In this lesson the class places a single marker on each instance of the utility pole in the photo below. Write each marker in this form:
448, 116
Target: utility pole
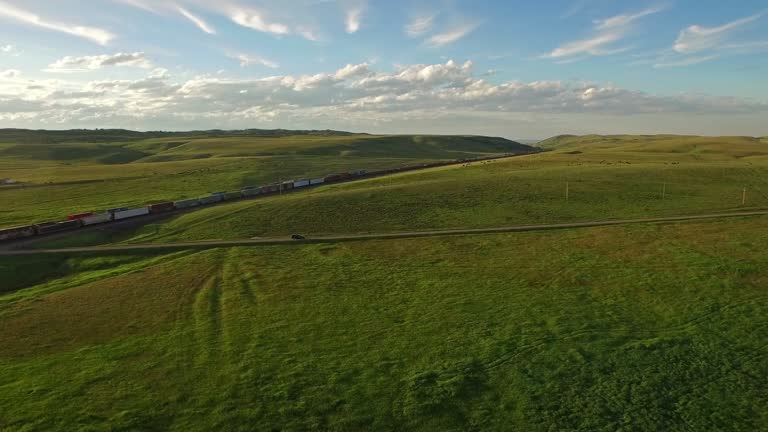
280, 186
567, 191
663, 191
744, 196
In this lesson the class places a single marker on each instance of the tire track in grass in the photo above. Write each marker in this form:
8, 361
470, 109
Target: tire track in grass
207, 319
237, 299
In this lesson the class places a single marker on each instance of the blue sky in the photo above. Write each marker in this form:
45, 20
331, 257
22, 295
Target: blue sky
519, 69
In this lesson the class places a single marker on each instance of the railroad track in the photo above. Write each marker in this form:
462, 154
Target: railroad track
375, 236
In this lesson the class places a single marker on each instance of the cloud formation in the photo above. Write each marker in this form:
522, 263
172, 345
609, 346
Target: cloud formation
98, 35
199, 22
419, 25
698, 44
353, 17
85, 63
10, 73
452, 35
250, 59
354, 92
606, 32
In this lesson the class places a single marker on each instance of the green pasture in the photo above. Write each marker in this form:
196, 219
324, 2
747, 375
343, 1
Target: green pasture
60, 178
597, 182
641, 328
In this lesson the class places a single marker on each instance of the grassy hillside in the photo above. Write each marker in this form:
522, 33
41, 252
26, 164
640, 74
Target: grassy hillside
702, 148
605, 181
61, 176
640, 328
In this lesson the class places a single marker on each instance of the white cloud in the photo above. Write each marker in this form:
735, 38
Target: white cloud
621, 21
10, 73
85, 63
696, 38
419, 25
100, 36
283, 18
6, 48
687, 61
452, 35
697, 44
354, 15
199, 22
606, 33
255, 20
354, 93
250, 59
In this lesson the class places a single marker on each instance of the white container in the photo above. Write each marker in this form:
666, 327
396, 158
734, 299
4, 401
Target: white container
301, 183
187, 203
96, 219
125, 214
317, 181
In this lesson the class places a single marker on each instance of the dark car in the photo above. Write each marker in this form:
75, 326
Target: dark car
298, 237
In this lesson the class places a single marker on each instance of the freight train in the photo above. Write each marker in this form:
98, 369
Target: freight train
84, 219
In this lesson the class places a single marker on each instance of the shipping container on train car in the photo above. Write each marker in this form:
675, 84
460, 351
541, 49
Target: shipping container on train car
301, 183
77, 216
317, 181
117, 209
96, 219
268, 189
17, 232
130, 213
251, 191
161, 207
229, 196
54, 227
210, 199
337, 177
187, 203
287, 185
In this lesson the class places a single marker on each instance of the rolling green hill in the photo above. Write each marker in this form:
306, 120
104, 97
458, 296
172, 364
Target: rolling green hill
605, 181
645, 328
63, 175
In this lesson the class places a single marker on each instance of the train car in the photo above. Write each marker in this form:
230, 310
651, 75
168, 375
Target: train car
131, 213
301, 183
187, 203
17, 232
317, 181
54, 227
229, 196
251, 191
210, 199
161, 207
287, 185
359, 173
268, 189
112, 211
337, 177
78, 216
96, 219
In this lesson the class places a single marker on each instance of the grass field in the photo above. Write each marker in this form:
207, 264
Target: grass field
657, 327
68, 177
606, 180
634, 328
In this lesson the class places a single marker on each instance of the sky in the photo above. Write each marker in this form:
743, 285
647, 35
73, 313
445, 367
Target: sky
512, 68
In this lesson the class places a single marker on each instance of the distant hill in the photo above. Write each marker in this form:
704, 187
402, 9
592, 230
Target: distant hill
112, 135
725, 146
